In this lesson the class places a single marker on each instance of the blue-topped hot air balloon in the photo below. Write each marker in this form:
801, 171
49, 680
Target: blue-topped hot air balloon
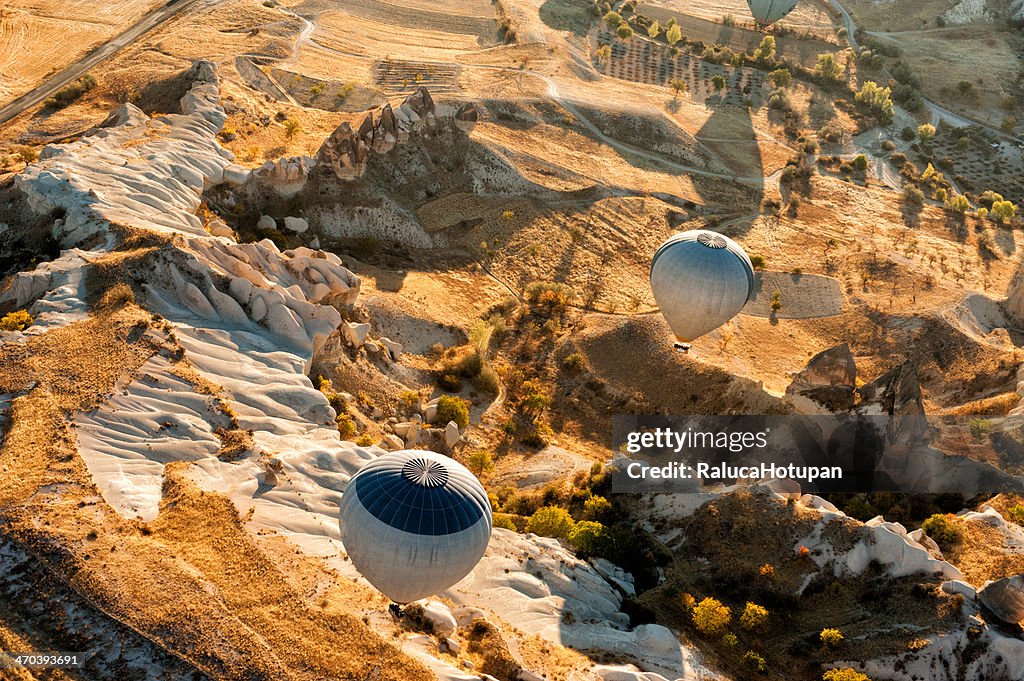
767, 12
700, 280
414, 523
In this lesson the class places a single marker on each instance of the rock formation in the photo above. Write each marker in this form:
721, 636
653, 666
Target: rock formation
829, 379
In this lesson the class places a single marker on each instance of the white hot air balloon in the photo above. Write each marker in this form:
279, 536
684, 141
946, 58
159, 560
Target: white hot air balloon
767, 12
700, 280
414, 523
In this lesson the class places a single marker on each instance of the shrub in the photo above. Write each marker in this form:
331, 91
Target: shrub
730, 640
613, 18
755, 661
503, 521
754, 616
624, 32
487, 380
551, 521
364, 440
346, 426
912, 195
450, 383
827, 68
589, 538
596, 507
452, 408
291, 128
925, 132
16, 321
831, 638
71, 92
1016, 514
480, 462
508, 215
860, 163
549, 297
979, 428
574, 361
888, 145
780, 78
758, 261
845, 674
941, 528
877, 100
711, 617
1003, 211
674, 34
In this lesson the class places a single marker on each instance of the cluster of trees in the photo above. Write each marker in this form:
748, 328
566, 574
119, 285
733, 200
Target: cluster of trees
71, 93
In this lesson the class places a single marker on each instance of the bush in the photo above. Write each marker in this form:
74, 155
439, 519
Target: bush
860, 163
1016, 514
912, 195
754, 616
16, 321
365, 440
711, 617
574, 361
755, 661
346, 426
487, 380
845, 674
758, 262
450, 383
503, 521
781, 78
551, 521
589, 538
831, 638
71, 93
925, 132
596, 507
908, 133
549, 297
888, 145
624, 32
876, 100
452, 408
827, 68
941, 528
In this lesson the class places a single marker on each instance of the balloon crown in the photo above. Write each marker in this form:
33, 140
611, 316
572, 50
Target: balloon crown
711, 240
425, 473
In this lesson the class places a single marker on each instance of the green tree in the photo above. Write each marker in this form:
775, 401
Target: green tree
1003, 211
624, 31
551, 521
827, 68
654, 29
766, 50
674, 34
613, 18
679, 87
781, 78
718, 82
877, 100
925, 132
291, 128
957, 203
480, 462
711, 617
860, 163
603, 53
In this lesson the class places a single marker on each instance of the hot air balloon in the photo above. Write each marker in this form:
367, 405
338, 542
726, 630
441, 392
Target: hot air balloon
767, 12
414, 523
700, 280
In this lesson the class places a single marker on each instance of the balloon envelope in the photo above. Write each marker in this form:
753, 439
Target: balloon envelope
700, 280
414, 523
767, 12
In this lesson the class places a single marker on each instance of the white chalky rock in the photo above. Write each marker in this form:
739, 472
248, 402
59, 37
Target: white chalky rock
394, 348
266, 222
440, 617
297, 225
356, 333
452, 436
235, 175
